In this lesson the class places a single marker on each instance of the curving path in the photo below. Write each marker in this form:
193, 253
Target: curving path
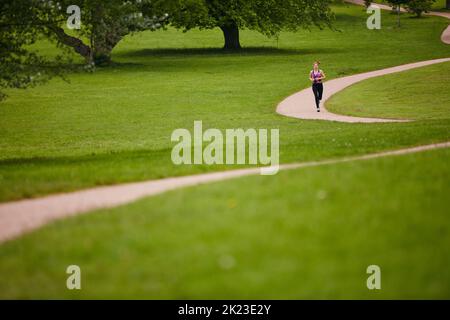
445, 37
301, 105
19, 217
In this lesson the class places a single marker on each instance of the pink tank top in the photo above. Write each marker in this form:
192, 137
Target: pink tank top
316, 75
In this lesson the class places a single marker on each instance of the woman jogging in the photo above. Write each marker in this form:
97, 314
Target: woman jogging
316, 76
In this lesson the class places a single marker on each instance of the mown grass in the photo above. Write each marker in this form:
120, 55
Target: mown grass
419, 94
114, 125
307, 233
438, 5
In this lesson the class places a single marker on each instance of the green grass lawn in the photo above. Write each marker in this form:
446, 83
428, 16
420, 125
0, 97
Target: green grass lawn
308, 233
421, 94
438, 5
117, 122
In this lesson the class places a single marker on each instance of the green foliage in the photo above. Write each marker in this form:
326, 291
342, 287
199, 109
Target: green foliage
19, 66
398, 2
103, 25
419, 6
117, 122
266, 16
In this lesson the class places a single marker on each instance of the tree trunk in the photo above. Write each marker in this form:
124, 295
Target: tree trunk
99, 51
448, 4
103, 47
101, 43
104, 37
78, 45
231, 36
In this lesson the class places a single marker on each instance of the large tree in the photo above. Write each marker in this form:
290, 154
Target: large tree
20, 66
103, 23
266, 16
419, 6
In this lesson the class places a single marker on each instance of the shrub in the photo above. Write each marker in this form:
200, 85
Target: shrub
419, 6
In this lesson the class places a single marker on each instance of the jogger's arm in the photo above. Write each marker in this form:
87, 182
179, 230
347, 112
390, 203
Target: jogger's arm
322, 75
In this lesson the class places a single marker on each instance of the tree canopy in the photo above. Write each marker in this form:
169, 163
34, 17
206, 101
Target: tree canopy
266, 16
21, 67
103, 25
419, 6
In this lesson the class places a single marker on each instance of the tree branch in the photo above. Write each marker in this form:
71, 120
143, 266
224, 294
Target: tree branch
78, 45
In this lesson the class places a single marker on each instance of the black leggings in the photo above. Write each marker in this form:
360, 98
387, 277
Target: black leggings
318, 91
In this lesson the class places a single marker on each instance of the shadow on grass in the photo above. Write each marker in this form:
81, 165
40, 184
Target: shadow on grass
40, 176
93, 157
248, 51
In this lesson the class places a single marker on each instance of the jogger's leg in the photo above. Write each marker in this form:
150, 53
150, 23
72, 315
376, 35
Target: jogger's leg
320, 91
316, 95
